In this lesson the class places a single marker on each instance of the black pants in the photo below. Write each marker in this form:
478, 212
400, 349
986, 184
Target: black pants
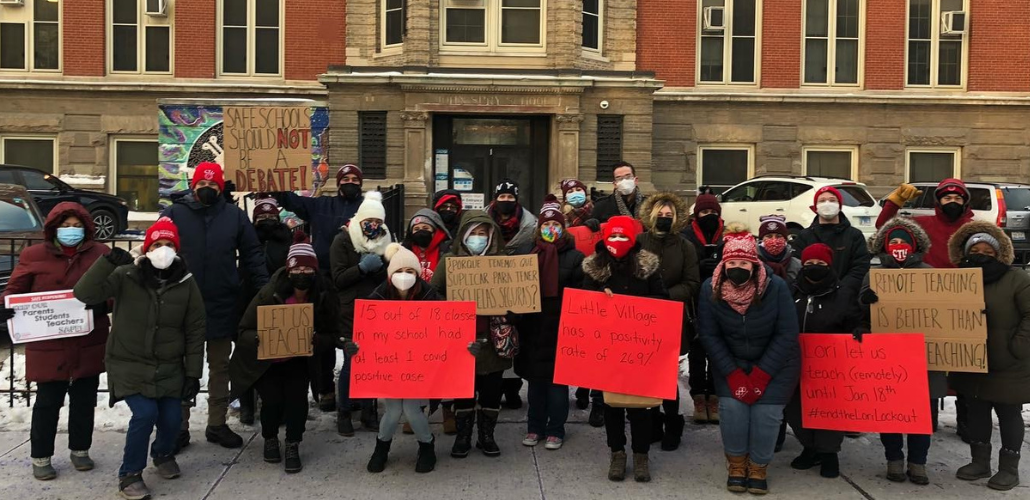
639, 428
1010, 422
284, 397
321, 369
596, 396
47, 411
488, 393
701, 380
818, 440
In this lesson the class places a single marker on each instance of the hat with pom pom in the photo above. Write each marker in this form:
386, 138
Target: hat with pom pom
371, 207
301, 253
739, 244
400, 258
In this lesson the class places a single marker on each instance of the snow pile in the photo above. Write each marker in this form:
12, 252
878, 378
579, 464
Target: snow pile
84, 180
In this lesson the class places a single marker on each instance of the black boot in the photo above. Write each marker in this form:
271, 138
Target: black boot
487, 421
247, 407
807, 459
657, 424
673, 432
596, 415
830, 466
293, 464
224, 436
425, 461
378, 461
344, 426
511, 387
463, 421
272, 453
582, 398
370, 416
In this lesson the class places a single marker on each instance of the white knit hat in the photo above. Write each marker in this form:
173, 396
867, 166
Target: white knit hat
371, 207
399, 258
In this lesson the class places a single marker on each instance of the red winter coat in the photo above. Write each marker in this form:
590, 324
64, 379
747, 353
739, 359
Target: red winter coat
937, 226
44, 267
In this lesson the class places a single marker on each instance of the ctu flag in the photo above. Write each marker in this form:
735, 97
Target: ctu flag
620, 344
413, 349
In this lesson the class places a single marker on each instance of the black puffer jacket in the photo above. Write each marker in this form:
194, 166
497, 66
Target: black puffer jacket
709, 254
825, 308
850, 256
351, 283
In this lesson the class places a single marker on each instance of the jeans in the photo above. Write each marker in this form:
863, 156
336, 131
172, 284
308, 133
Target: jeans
218, 352
701, 380
412, 410
47, 411
639, 428
918, 446
284, 398
548, 408
165, 413
817, 440
343, 388
488, 393
749, 429
1010, 422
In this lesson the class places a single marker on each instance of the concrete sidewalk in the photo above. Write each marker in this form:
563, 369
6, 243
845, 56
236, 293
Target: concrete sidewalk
334, 467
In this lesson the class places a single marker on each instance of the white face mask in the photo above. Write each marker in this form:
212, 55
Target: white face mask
626, 186
162, 257
828, 209
403, 281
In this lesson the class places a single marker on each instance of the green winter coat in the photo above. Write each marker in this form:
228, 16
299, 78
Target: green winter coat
157, 333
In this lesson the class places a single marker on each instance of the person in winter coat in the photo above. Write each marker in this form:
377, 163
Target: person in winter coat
429, 239
577, 206
774, 250
705, 233
1003, 388
625, 200
155, 352
664, 215
358, 268
69, 366
213, 232
621, 266
561, 266
447, 203
951, 211
832, 228
823, 306
478, 235
750, 330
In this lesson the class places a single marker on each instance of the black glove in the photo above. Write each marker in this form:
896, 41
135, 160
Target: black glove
6, 313
707, 266
475, 348
857, 333
348, 347
868, 297
190, 388
99, 309
230, 187
119, 257
593, 224
511, 317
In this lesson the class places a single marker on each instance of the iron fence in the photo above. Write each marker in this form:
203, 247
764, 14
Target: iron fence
393, 202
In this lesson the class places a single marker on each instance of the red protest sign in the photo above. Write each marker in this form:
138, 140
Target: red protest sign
413, 349
877, 385
620, 344
586, 240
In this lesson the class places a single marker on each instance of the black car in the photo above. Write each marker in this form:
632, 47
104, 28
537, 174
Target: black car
110, 213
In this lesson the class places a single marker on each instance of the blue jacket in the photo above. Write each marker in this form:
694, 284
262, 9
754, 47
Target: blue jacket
210, 239
766, 336
325, 215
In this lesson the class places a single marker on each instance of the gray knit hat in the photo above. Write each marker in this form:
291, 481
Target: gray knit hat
982, 238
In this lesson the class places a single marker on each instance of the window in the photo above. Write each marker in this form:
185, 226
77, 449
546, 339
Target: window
136, 173
30, 36
593, 26
394, 22
832, 30
493, 25
723, 167
932, 165
139, 43
937, 50
372, 143
609, 145
37, 181
251, 37
831, 162
729, 39
35, 152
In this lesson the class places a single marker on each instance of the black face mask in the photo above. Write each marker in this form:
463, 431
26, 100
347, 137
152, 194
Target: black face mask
663, 224
953, 210
709, 223
738, 275
350, 191
422, 238
448, 216
505, 207
207, 195
302, 281
816, 273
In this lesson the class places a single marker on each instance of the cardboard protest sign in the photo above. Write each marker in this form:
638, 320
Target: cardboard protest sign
623, 344
586, 240
877, 385
496, 284
413, 349
945, 305
285, 331
47, 316
268, 148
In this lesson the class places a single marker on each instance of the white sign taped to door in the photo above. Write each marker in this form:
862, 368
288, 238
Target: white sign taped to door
473, 201
440, 173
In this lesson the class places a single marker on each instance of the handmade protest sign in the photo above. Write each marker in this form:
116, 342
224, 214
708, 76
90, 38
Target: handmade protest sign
945, 305
47, 316
877, 385
413, 349
285, 331
496, 284
623, 344
268, 148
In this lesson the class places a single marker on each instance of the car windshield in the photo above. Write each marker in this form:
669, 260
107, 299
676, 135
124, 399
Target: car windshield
855, 196
1017, 198
16, 215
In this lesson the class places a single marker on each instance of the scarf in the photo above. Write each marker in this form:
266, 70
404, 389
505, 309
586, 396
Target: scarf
548, 253
701, 234
777, 263
739, 298
994, 271
621, 203
429, 257
510, 227
577, 216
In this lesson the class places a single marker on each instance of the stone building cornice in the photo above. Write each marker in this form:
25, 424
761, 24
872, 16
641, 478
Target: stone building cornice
803, 96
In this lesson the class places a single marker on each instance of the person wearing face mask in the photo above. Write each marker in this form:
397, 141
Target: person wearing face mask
620, 265
155, 352
624, 200
214, 232
429, 239
664, 215
901, 244
283, 383
357, 269
1003, 388
775, 251
69, 366
833, 229
951, 211
577, 206
447, 203
750, 329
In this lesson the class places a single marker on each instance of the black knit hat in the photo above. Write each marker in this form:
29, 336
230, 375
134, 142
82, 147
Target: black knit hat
507, 186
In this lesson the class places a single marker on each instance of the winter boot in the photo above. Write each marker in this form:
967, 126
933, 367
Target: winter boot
370, 416
382, 452
464, 421
829, 466
344, 425
896, 471
737, 473
806, 460
327, 402
713, 409
425, 461
641, 468
247, 407
81, 461
224, 436
917, 474
450, 428
42, 469
657, 425
673, 432
596, 415
512, 398
167, 468
757, 480
700, 409
781, 437
582, 398
181, 442
1008, 471
132, 487
293, 464
980, 467
617, 467
486, 421
273, 454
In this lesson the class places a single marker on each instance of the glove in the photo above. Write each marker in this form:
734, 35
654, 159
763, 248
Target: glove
190, 388
370, 263
759, 381
857, 333
707, 266
6, 313
99, 309
475, 348
511, 317
903, 194
349, 347
740, 386
868, 297
593, 224
119, 257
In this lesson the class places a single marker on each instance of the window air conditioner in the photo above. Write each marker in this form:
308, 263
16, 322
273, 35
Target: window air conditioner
13, 2
157, 8
713, 19
953, 23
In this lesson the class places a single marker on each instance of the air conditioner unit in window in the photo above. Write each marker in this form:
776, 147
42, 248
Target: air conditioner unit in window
18, 3
157, 8
953, 23
713, 19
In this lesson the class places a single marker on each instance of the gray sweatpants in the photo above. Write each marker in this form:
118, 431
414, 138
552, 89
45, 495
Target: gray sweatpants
412, 411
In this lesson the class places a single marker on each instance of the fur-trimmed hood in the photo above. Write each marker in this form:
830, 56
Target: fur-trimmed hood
598, 266
679, 221
958, 241
876, 242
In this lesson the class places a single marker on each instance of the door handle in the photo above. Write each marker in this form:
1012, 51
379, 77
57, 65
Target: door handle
779, 209
743, 210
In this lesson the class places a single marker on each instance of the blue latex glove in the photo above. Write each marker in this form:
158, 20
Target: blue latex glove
370, 263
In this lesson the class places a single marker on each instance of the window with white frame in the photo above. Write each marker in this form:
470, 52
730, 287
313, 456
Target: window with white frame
831, 162
493, 25
30, 36
135, 169
28, 151
937, 43
140, 39
393, 22
721, 167
729, 41
593, 24
251, 32
932, 165
832, 41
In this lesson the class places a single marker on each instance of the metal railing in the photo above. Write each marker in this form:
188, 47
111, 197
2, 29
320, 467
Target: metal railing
393, 202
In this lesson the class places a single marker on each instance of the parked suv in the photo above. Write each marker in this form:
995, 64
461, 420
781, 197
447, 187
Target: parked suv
110, 213
21, 224
793, 197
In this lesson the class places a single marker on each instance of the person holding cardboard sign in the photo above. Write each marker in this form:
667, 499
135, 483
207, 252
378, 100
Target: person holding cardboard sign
1004, 387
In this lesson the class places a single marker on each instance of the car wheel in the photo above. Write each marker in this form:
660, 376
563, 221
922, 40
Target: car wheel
106, 224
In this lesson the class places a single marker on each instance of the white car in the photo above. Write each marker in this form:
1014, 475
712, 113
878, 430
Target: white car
793, 197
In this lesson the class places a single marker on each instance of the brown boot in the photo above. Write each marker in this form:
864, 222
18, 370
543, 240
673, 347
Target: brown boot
757, 482
449, 426
617, 467
713, 409
700, 409
641, 468
737, 468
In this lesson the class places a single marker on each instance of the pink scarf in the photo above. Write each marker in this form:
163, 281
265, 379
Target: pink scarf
738, 297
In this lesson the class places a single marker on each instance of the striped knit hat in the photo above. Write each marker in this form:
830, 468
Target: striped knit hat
738, 244
301, 253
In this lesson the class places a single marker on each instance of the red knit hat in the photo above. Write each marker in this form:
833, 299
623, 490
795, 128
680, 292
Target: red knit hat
740, 246
624, 225
349, 168
817, 251
570, 184
951, 186
209, 171
265, 206
301, 253
707, 202
163, 229
551, 211
827, 189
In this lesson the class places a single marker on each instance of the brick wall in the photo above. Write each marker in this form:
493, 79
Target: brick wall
885, 44
781, 44
83, 37
666, 40
315, 37
195, 34
999, 48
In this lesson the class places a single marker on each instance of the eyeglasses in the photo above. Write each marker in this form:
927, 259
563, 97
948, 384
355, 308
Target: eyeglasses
624, 177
